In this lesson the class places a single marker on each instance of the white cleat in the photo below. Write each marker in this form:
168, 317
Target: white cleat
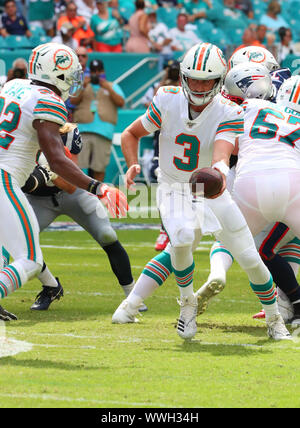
125, 313
277, 329
186, 325
210, 289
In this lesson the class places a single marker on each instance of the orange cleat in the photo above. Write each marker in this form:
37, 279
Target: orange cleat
260, 315
162, 241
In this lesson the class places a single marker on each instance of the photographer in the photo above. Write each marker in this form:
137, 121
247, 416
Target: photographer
18, 70
96, 112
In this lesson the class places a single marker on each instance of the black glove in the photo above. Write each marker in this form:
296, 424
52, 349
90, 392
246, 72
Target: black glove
37, 179
6, 316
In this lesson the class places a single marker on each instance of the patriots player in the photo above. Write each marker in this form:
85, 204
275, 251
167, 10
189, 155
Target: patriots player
192, 120
31, 113
49, 201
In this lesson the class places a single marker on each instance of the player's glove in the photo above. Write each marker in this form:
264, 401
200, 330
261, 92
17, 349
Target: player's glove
40, 176
7, 316
114, 200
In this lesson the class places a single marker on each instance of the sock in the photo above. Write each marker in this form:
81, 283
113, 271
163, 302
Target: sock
143, 288
119, 262
183, 267
46, 277
284, 277
159, 268
267, 296
12, 277
5, 257
220, 261
184, 279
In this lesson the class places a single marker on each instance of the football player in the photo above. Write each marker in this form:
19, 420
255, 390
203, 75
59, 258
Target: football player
31, 112
192, 119
267, 183
49, 201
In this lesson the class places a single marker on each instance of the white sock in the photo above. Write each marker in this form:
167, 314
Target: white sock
47, 278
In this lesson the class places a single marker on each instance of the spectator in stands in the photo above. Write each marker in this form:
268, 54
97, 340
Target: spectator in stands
194, 9
12, 22
159, 38
65, 36
273, 19
182, 39
286, 46
82, 31
82, 54
139, 28
249, 38
225, 16
86, 9
261, 33
18, 70
96, 114
246, 7
107, 29
41, 14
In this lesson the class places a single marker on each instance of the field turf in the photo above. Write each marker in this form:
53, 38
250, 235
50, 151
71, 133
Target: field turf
76, 358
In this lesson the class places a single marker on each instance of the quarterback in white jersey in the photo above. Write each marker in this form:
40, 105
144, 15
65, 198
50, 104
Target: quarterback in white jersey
31, 113
192, 121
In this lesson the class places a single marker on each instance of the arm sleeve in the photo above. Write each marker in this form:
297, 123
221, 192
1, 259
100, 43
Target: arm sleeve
51, 109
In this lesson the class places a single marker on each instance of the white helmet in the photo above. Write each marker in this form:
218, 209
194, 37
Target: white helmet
204, 61
289, 93
255, 54
248, 80
58, 65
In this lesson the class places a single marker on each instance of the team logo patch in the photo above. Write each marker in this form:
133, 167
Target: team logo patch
244, 84
62, 60
257, 57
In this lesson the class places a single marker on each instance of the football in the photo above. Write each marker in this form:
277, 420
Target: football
210, 178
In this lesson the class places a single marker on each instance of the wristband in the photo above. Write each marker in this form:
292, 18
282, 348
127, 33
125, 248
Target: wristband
94, 187
222, 167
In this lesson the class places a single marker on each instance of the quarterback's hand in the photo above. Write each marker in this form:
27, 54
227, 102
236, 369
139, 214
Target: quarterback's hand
114, 200
223, 186
132, 172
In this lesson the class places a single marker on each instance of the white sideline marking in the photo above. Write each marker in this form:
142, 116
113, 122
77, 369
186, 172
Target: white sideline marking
203, 246
80, 400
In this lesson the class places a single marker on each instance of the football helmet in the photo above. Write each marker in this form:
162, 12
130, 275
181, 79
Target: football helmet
248, 80
289, 93
255, 54
204, 61
58, 65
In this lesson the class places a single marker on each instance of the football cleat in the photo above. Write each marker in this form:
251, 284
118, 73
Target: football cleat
295, 321
7, 316
210, 289
277, 329
127, 290
162, 241
260, 315
125, 313
186, 325
47, 296
143, 308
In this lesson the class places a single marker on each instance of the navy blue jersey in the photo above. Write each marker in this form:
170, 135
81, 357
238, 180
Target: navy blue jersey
278, 77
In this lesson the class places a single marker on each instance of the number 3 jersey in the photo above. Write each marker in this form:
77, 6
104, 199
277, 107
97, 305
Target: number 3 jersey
271, 138
186, 144
20, 104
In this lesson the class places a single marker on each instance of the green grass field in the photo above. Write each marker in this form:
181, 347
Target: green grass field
77, 358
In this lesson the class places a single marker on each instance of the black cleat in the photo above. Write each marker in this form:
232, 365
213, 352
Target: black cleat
7, 316
47, 296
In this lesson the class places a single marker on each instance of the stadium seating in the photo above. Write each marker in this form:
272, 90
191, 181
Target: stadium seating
167, 15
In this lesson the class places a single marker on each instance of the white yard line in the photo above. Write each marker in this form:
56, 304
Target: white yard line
80, 400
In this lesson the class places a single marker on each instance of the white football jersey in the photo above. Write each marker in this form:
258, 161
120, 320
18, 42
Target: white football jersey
20, 104
185, 144
271, 138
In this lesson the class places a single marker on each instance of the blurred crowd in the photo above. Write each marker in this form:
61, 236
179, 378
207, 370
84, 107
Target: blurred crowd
159, 26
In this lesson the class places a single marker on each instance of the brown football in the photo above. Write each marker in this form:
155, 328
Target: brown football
211, 179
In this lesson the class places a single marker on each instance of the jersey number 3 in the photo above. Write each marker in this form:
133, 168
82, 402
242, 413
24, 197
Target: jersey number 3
12, 116
190, 159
